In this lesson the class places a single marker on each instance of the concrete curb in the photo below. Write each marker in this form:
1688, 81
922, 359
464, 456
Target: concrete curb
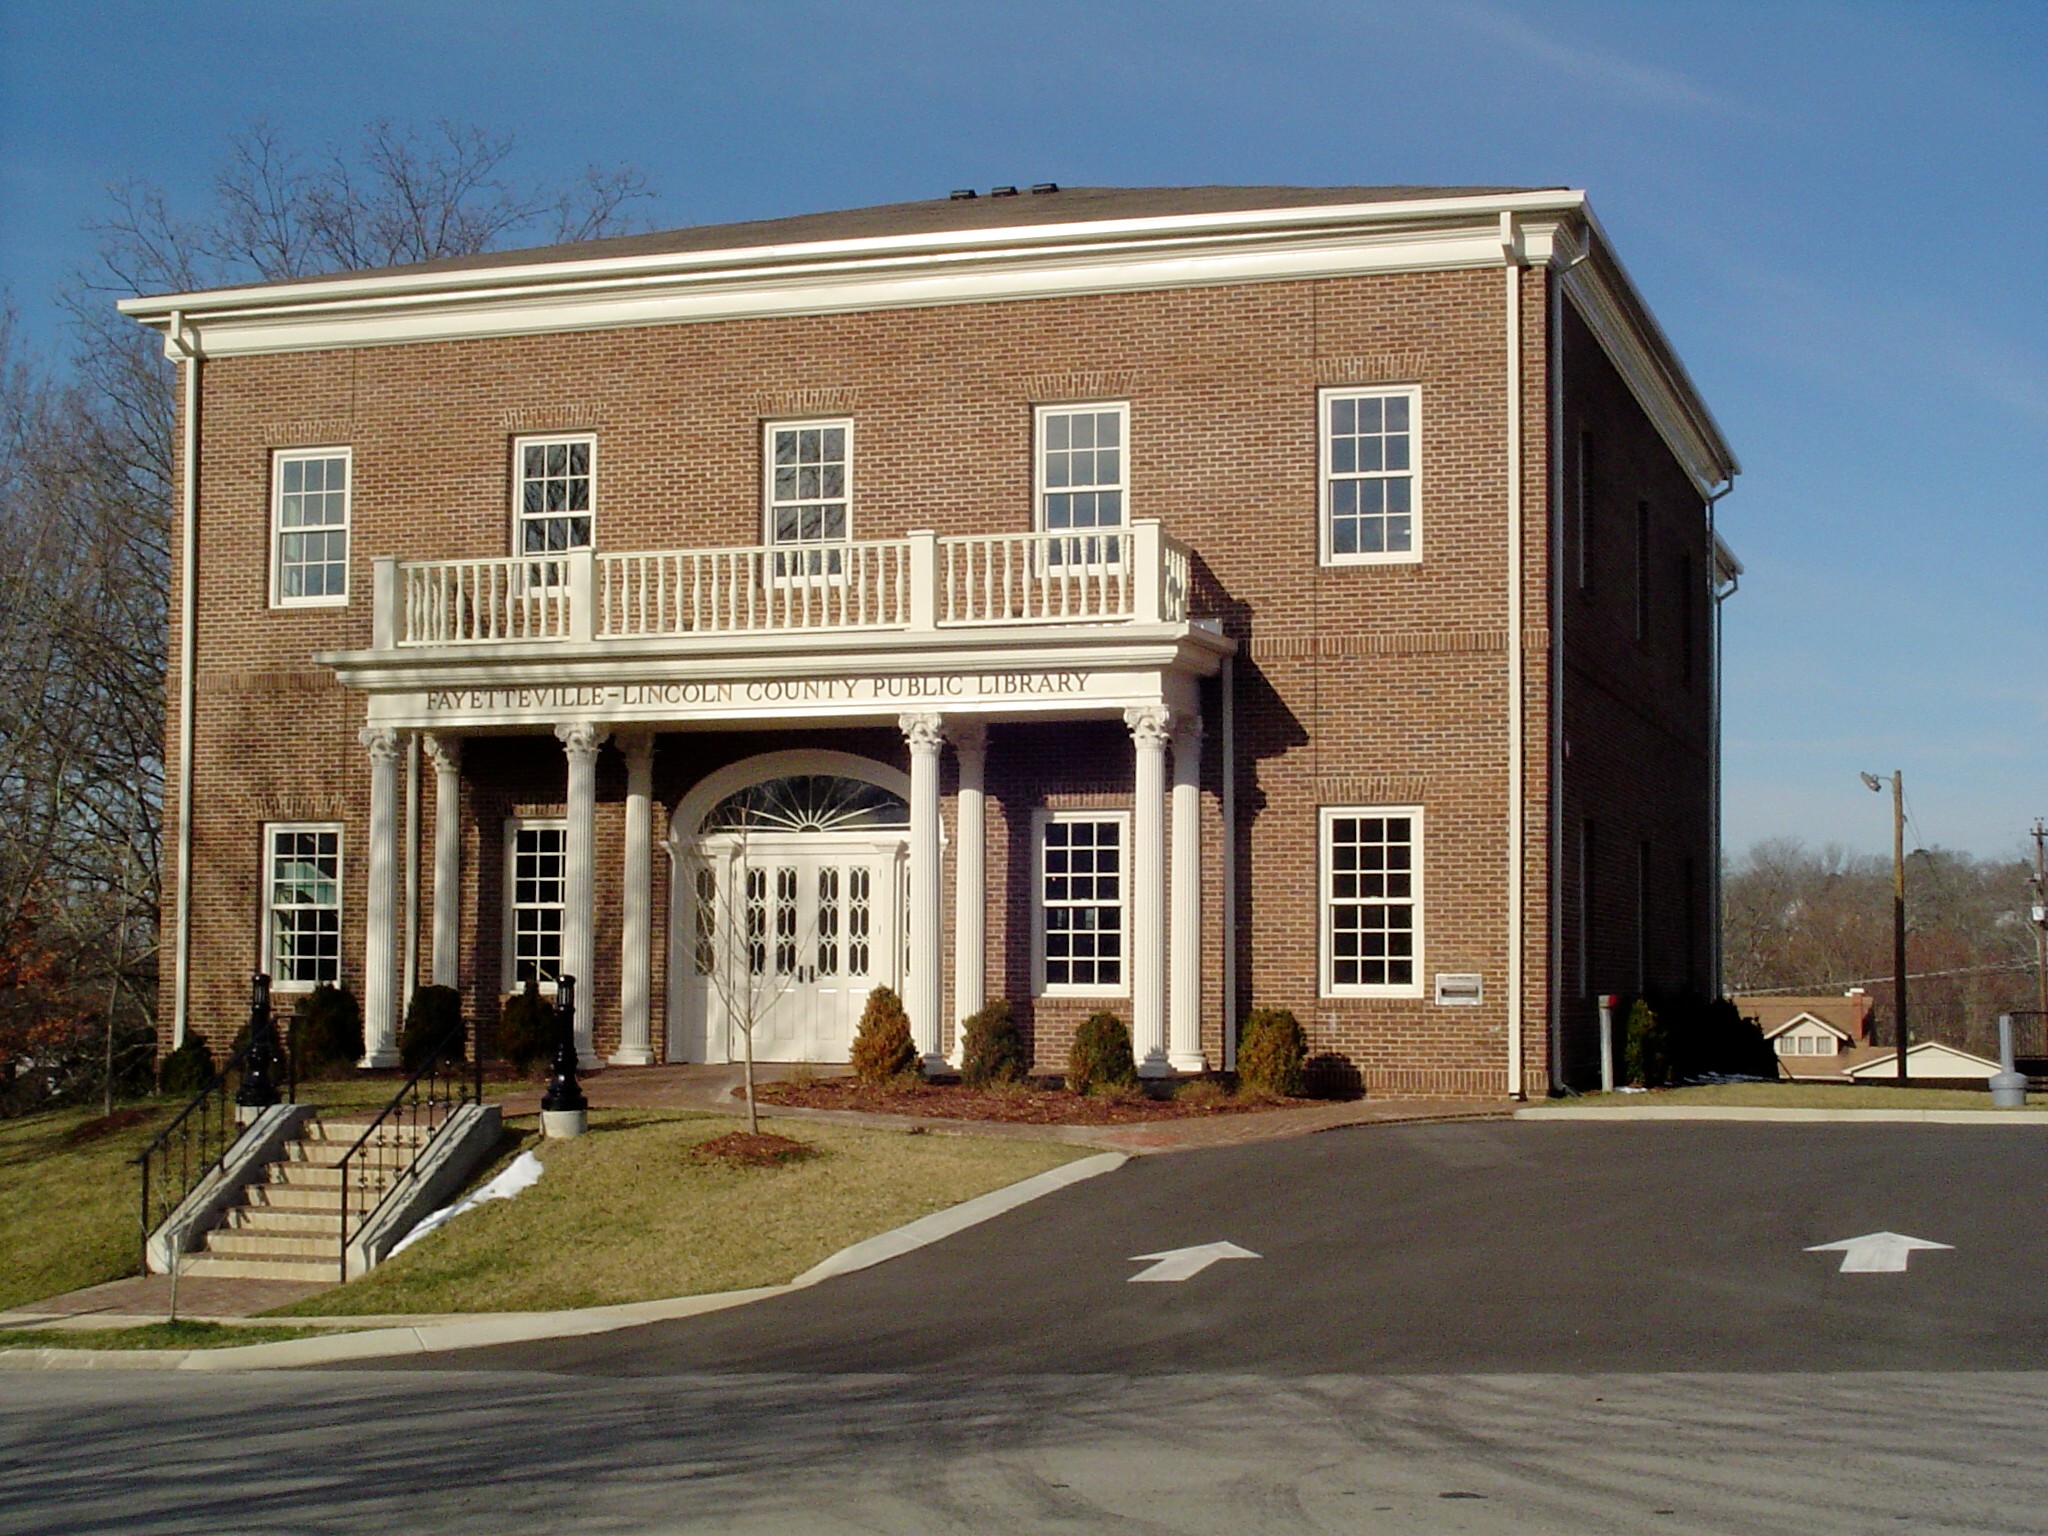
1630, 1113
474, 1329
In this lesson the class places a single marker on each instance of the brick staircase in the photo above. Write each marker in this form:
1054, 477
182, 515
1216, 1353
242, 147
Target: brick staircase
289, 1226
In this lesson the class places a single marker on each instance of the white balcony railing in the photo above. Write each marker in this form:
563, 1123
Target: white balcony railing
1130, 575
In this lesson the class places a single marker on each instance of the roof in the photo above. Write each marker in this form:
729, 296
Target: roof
1847, 1012
1927, 1058
935, 216
1805, 1017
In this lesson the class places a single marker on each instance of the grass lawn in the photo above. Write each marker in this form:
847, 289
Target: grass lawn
153, 1336
625, 1214
68, 1201
1802, 1096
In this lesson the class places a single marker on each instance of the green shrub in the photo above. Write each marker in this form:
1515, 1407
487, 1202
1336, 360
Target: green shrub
326, 1031
882, 1047
187, 1069
1101, 1055
1331, 1076
526, 1028
433, 1024
1271, 1053
1714, 1038
991, 1047
1646, 1048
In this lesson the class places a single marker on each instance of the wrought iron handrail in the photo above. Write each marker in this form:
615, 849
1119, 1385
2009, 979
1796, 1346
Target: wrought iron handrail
387, 1155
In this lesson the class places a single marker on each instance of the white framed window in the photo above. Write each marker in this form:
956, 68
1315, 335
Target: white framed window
302, 904
1371, 482
309, 494
554, 494
1082, 459
536, 897
1371, 901
1081, 927
808, 494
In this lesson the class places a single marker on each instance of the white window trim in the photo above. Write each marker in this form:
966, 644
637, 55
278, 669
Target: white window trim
797, 424
508, 962
534, 439
1413, 392
1040, 820
269, 856
1326, 815
278, 458
1039, 489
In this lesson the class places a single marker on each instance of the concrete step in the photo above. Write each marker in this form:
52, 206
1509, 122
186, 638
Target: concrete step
270, 1245
292, 1197
221, 1266
348, 1132
303, 1223
326, 1176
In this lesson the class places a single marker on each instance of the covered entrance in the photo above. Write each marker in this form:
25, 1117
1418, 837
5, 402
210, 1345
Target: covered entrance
788, 905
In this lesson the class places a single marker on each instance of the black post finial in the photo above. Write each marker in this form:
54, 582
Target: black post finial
564, 1092
258, 1090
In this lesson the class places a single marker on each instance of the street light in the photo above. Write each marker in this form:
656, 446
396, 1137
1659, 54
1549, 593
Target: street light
1875, 785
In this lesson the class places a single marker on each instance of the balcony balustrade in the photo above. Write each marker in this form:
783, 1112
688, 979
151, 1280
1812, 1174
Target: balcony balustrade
1134, 576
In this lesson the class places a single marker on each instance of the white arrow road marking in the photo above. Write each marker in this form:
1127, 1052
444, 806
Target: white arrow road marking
1877, 1253
1185, 1263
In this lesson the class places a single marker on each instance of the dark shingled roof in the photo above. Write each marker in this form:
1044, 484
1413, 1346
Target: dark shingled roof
943, 215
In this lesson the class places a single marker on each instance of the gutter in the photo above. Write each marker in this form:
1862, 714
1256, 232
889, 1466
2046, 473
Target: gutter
1720, 558
183, 343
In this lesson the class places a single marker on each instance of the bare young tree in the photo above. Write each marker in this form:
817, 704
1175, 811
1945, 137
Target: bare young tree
86, 493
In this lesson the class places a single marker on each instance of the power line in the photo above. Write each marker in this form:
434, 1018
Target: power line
1868, 981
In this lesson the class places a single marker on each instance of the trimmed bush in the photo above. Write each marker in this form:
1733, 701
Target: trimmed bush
882, 1047
433, 1022
1101, 1055
526, 1028
1271, 1053
1714, 1037
991, 1047
1331, 1076
326, 1031
187, 1069
1646, 1047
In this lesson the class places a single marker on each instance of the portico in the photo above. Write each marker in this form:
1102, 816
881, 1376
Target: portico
936, 639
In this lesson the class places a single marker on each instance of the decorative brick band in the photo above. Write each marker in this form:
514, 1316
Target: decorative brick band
265, 685
1387, 368
301, 807
1094, 384
836, 399
315, 431
1409, 643
573, 416
1372, 788
1100, 796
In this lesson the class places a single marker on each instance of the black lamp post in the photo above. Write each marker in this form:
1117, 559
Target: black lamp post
564, 1093
257, 1090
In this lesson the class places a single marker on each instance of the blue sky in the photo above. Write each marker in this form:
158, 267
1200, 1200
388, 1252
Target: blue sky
1838, 211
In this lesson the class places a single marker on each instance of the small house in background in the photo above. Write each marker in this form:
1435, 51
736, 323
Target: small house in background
1814, 1036
1927, 1063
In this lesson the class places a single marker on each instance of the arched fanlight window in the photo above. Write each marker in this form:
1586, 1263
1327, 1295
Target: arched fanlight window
809, 802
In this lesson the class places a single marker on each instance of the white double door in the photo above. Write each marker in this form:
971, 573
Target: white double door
788, 934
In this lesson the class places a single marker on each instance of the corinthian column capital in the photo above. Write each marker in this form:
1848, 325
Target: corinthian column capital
381, 741
581, 738
1150, 724
925, 733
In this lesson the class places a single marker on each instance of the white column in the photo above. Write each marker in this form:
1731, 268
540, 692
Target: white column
970, 879
921, 994
445, 753
380, 937
580, 740
1184, 1002
1149, 726
636, 1041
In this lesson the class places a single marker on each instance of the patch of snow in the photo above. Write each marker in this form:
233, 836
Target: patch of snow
522, 1174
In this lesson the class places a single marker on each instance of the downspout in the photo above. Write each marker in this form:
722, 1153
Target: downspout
1511, 258
1717, 597
1553, 924
1227, 707
185, 348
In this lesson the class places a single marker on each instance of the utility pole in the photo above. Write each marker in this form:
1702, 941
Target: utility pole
1876, 784
2041, 918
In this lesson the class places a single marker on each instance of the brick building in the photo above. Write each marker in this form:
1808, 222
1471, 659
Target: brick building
1171, 601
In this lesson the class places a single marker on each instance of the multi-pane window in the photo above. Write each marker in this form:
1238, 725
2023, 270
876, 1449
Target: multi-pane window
309, 514
1369, 474
556, 493
1082, 478
1081, 902
810, 494
538, 854
302, 905
1372, 930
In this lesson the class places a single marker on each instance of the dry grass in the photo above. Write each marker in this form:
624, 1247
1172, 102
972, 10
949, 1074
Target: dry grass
69, 1200
1804, 1096
626, 1213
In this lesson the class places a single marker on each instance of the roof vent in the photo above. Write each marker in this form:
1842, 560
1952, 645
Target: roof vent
962, 194
1002, 191
1044, 186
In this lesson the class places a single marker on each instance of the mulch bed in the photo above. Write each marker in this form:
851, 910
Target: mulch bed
739, 1149
106, 1125
1016, 1106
